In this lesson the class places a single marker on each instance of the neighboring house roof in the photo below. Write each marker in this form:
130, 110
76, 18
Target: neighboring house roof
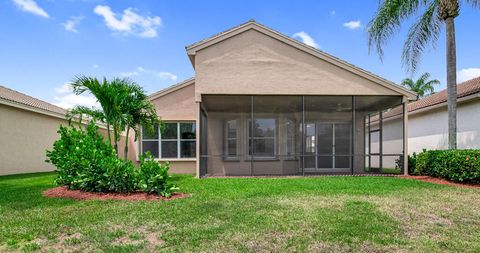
172, 88
20, 100
464, 91
251, 24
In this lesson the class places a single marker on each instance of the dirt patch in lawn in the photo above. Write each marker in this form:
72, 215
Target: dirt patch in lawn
442, 181
64, 192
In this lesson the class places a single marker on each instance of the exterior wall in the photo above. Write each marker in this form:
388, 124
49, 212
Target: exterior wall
429, 129
183, 167
254, 63
178, 106
25, 137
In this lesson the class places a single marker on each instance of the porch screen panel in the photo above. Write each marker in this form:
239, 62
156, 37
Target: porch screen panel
380, 127
275, 136
392, 140
330, 117
225, 134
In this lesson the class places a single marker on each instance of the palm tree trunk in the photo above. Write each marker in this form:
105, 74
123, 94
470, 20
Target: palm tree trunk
451, 83
108, 134
115, 139
125, 155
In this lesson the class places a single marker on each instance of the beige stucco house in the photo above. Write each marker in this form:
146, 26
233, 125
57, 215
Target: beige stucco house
262, 103
28, 127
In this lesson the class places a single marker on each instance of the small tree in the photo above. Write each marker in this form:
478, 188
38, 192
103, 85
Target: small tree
124, 106
422, 86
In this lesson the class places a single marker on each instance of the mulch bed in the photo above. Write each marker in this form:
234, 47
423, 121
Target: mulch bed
64, 192
442, 181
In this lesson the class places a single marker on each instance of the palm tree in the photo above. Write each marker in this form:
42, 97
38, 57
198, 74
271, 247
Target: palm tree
103, 92
426, 29
124, 106
138, 112
423, 87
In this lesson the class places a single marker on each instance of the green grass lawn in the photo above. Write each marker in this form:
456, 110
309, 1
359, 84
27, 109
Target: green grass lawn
337, 214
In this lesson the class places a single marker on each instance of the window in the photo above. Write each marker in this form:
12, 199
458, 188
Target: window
150, 140
231, 127
169, 139
264, 137
177, 140
187, 140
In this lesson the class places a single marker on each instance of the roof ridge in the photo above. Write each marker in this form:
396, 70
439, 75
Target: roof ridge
34, 99
171, 87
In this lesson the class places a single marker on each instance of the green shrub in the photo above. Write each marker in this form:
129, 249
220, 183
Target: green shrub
455, 165
84, 161
79, 156
154, 177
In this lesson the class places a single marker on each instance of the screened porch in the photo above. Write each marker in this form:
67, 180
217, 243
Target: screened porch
244, 135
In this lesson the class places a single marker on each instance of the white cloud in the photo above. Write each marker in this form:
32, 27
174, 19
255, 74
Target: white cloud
129, 22
306, 38
333, 12
167, 75
66, 99
160, 74
95, 66
352, 25
70, 24
467, 74
32, 7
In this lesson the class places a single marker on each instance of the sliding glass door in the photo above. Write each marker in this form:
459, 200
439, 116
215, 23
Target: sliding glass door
328, 147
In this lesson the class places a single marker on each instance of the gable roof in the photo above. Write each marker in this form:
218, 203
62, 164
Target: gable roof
172, 88
20, 100
251, 24
464, 91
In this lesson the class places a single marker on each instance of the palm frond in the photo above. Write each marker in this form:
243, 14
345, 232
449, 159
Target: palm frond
79, 111
408, 82
387, 21
424, 31
424, 77
474, 3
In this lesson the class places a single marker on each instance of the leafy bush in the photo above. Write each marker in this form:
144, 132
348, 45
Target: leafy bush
86, 162
455, 165
154, 177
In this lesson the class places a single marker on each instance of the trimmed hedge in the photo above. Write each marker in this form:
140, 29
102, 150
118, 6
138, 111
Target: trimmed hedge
456, 165
84, 161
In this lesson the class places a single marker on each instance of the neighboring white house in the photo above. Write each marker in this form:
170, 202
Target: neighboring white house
428, 120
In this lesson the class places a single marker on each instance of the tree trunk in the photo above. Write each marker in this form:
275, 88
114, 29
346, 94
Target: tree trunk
125, 155
451, 83
115, 139
108, 134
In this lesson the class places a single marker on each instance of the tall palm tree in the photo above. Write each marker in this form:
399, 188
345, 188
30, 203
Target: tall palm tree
423, 87
426, 29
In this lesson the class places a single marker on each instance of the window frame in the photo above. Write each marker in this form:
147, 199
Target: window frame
178, 141
274, 137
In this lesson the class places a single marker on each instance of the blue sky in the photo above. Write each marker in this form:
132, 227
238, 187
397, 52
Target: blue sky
45, 43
